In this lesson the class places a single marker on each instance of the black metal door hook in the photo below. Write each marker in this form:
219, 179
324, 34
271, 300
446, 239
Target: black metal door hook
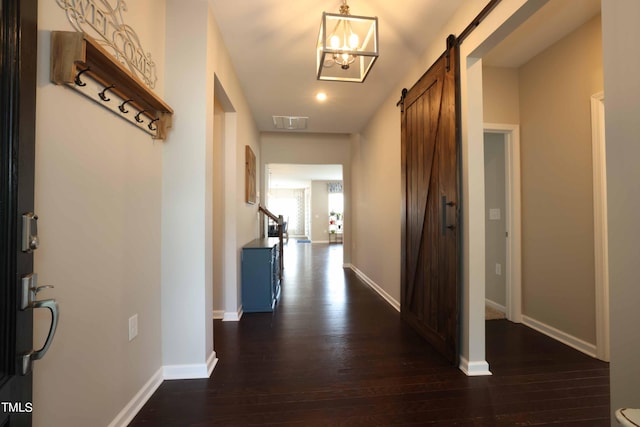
77, 79
121, 106
151, 124
103, 95
137, 117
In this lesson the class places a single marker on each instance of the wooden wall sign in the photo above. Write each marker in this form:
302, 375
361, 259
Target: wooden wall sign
250, 176
106, 23
81, 63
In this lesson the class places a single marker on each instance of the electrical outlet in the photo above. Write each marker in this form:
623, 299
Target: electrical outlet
133, 327
499, 269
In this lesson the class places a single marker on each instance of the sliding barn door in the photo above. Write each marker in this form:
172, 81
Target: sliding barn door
429, 297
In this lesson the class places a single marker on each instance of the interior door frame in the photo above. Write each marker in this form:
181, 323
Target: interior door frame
513, 216
601, 242
18, 98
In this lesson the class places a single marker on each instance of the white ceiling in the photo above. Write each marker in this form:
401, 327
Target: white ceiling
272, 47
272, 44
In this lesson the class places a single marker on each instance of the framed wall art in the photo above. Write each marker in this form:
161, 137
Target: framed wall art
250, 176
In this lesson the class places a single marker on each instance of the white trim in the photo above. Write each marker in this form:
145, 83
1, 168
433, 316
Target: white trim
474, 369
218, 314
558, 335
137, 402
230, 316
230, 258
601, 245
501, 308
373, 285
188, 372
502, 20
315, 242
212, 361
513, 217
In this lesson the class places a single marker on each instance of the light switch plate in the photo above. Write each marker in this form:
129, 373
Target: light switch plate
133, 327
494, 214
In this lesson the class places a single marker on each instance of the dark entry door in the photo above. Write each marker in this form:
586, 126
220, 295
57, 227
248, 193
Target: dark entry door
18, 31
429, 292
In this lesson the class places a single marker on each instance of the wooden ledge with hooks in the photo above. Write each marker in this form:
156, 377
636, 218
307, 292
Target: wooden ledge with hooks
77, 58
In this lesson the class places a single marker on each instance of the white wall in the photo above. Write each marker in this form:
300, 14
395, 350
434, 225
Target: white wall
319, 211
621, 53
218, 209
187, 277
377, 201
501, 95
241, 219
98, 196
184, 185
495, 198
557, 182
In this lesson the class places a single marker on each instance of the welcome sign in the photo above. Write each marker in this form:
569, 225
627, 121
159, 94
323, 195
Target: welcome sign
107, 22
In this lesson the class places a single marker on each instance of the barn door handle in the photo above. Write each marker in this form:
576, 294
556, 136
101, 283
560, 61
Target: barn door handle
28, 358
444, 215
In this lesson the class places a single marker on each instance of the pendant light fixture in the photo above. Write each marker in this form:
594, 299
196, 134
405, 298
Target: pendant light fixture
347, 46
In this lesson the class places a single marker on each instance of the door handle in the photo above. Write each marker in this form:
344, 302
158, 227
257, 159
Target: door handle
28, 358
444, 215
29, 290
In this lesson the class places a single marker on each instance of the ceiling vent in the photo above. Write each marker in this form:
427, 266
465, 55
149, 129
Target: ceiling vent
290, 122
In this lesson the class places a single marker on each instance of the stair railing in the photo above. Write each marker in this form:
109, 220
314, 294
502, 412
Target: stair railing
279, 220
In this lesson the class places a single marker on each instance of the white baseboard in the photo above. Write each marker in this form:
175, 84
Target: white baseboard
558, 335
230, 316
373, 285
218, 314
175, 372
212, 361
319, 241
133, 407
189, 372
474, 369
501, 308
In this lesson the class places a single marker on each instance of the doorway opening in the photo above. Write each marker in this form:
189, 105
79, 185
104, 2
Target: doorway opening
224, 185
503, 257
306, 196
557, 200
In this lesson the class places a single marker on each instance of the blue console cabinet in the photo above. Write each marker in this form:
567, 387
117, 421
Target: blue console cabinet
260, 275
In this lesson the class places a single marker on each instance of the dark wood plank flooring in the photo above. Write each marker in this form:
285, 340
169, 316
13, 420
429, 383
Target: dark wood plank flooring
335, 353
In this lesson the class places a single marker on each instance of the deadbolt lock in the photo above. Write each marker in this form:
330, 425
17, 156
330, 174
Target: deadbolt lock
30, 240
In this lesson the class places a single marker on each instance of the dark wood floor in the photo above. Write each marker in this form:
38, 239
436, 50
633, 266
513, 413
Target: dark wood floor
334, 353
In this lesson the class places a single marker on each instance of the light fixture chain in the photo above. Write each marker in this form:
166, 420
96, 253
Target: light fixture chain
344, 9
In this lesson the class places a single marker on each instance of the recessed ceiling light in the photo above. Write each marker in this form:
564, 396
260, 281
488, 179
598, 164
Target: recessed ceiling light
321, 96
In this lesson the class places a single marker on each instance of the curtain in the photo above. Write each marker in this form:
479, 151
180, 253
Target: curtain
334, 187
